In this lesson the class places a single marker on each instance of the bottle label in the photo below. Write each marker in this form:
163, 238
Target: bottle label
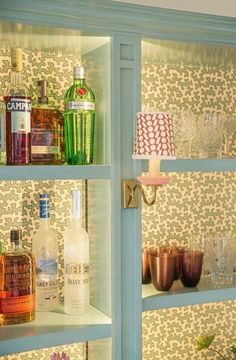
47, 266
44, 141
80, 105
46, 283
77, 285
44, 210
45, 149
46, 292
20, 109
18, 304
81, 91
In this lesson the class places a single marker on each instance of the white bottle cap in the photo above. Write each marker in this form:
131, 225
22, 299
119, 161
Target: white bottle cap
79, 72
76, 196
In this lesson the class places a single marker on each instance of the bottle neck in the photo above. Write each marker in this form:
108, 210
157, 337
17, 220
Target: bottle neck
79, 82
15, 247
76, 222
16, 77
76, 209
44, 223
44, 214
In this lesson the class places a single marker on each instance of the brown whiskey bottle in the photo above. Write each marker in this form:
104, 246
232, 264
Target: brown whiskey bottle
17, 291
47, 131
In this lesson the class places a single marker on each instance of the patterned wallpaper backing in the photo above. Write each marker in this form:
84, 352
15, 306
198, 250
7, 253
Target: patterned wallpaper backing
191, 204
52, 66
193, 90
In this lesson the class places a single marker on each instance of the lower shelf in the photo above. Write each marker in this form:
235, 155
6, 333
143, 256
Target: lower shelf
179, 296
52, 329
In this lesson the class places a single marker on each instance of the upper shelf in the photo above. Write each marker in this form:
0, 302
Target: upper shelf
195, 165
198, 165
179, 296
70, 172
52, 329
55, 172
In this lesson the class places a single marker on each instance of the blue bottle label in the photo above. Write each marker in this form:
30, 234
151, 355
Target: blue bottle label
44, 211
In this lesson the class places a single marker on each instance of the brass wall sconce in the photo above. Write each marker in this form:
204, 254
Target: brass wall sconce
154, 141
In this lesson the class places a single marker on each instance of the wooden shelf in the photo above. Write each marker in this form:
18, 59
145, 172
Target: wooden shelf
55, 172
179, 296
52, 329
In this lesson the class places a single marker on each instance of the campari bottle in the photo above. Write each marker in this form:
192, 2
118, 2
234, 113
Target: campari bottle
76, 262
18, 112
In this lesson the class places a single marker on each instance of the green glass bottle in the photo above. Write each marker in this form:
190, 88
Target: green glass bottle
79, 121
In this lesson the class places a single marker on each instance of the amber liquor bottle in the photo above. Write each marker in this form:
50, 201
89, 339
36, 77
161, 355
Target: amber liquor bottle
47, 130
17, 287
18, 111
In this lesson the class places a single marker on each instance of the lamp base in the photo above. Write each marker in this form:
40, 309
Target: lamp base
153, 181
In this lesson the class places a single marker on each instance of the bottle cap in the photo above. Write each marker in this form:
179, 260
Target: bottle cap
79, 72
15, 236
16, 59
42, 89
44, 196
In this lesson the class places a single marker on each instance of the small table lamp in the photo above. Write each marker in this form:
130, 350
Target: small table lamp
154, 141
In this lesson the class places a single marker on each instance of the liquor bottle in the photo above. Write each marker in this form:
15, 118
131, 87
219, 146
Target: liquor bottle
76, 262
17, 285
47, 130
45, 251
79, 117
18, 109
2, 133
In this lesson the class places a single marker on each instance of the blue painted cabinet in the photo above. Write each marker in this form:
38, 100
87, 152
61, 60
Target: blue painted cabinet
107, 38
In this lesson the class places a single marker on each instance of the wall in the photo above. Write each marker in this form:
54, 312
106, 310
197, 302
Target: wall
192, 203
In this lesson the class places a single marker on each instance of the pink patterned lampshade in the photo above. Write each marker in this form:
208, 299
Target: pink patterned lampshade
154, 136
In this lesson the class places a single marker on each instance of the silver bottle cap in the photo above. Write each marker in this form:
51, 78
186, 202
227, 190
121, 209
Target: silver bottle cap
79, 72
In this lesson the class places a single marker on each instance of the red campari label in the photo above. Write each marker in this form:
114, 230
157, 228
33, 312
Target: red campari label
81, 91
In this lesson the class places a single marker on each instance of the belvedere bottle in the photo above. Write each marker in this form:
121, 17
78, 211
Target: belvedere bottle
79, 118
76, 262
